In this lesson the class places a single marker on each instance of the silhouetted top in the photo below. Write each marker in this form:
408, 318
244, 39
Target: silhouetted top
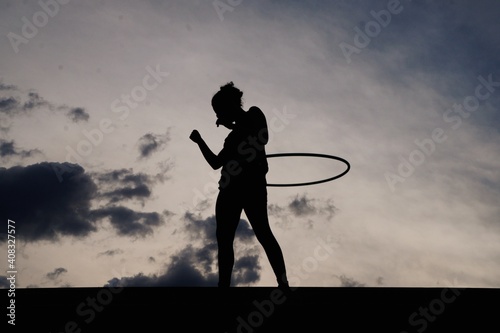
243, 155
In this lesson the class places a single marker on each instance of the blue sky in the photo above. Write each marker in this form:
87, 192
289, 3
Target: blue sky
116, 87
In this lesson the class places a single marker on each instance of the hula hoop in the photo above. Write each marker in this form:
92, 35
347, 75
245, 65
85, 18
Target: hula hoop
348, 167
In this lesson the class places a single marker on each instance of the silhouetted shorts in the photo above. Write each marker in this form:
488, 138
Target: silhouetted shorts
247, 195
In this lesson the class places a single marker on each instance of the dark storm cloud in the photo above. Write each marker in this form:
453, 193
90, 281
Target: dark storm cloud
124, 184
183, 270
139, 191
150, 143
246, 267
246, 270
195, 264
8, 105
204, 229
78, 114
43, 207
8, 149
56, 273
123, 176
117, 186
128, 222
13, 105
18, 103
303, 206
192, 266
198, 227
52, 200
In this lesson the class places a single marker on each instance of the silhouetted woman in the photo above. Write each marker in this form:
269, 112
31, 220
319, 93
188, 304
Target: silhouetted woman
242, 186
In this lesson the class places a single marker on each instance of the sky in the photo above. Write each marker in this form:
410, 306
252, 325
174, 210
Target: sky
98, 99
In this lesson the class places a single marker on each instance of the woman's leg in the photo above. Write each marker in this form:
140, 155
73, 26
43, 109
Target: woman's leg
227, 215
256, 212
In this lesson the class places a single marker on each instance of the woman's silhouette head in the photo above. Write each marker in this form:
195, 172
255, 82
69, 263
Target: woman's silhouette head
227, 104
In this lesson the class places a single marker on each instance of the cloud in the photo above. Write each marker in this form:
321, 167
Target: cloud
275, 210
53, 200
199, 228
35, 101
8, 105
123, 184
18, 103
8, 149
56, 273
4, 86
117, 186
110, 253
246, 270
43, 207
195, 264
151, 143
164, 167
301, 206
128, 222
14, 104
183, 270
346, 281
139, 191
4, 283
78, 114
